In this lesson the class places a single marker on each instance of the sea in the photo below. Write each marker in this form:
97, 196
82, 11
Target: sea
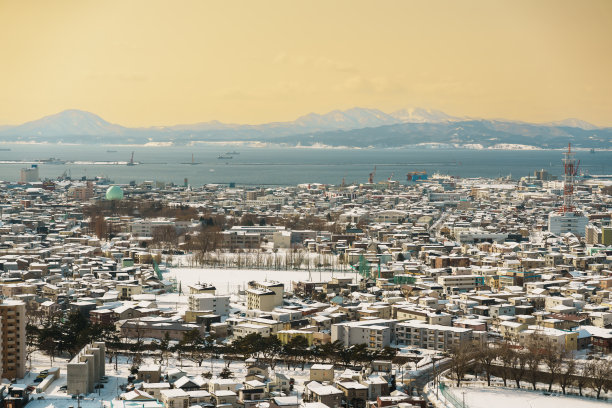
277, 166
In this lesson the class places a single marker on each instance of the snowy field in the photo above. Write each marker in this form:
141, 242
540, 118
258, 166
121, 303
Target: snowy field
230, 281
513, 398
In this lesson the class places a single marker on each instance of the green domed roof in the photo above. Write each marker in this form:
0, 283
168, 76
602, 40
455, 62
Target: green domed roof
114, 193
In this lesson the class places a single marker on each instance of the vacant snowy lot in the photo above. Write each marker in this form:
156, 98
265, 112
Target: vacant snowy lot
512, 398
229, 281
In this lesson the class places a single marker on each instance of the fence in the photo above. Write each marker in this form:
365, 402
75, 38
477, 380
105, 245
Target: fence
450, 397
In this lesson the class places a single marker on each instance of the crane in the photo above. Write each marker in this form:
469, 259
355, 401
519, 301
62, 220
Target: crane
372, 174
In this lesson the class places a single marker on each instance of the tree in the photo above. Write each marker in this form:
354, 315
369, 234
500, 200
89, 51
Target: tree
519, 361
270, 347
164, 348
461, 357
297, 348
568, 370
582, 378
226, 373
506, 354
165, 236
533, 357
485, 356
552, 355
599, 374
196, 347
32, 344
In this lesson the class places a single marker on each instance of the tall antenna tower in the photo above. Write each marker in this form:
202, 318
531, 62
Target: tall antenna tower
570, 171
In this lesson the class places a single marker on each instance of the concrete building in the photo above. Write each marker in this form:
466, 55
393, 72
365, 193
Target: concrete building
265, 295
86, 369
375, 333
261, 299
12, 339
29, 174
459, 283
572, 222
219, 305
322, 372
276, 287
430, 336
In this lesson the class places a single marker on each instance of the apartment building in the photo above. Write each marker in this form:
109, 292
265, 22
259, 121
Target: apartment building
375, 333
12, 338
219, 305
459, 283
261, 299
240, 240
146, 227
265, 295
430, 336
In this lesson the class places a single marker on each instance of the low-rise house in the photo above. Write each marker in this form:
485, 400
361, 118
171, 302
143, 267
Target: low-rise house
322, 372
174, 398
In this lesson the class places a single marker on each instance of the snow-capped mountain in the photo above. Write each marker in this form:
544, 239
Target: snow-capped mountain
351, 127
419, 115
68, 122
573, 122
354, 118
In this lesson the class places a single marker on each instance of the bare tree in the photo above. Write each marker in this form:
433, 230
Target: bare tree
486, 356
552, 355
567, 372
533, 357
506, 354
461, 357
519, 361
582, 378
599, 374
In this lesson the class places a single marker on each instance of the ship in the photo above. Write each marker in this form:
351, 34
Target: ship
416, 176
232, 153
111, 151
52, 160
192, 162
5, 149
221, 157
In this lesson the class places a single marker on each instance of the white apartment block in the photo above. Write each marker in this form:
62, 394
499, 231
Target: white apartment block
276, 287
219, 305
430, 336
145, 227
244, 329
375, 333
572, 222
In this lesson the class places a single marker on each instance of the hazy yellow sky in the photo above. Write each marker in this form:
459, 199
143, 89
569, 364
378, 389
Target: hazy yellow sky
152, 62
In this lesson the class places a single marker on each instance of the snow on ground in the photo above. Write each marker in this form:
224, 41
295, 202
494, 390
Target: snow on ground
229, 281
513, 398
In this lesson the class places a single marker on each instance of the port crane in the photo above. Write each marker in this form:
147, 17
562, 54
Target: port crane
372, 175
131, 162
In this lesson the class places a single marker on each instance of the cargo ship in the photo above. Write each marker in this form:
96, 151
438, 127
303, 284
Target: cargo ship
416, 176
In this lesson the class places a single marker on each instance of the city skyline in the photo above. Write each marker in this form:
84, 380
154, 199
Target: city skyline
159, 64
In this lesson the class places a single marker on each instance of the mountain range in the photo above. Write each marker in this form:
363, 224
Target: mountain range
356, 127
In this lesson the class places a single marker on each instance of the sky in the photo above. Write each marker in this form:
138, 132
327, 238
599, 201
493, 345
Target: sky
151, 62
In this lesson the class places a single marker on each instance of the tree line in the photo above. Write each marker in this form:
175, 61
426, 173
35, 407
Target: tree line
537, 361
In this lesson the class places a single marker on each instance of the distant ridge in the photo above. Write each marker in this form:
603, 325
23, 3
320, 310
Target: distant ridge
355, 127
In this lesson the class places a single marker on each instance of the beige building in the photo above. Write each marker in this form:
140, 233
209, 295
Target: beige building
322, 372
277, 288
261, 299
174, 398
127, 290
12, 339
